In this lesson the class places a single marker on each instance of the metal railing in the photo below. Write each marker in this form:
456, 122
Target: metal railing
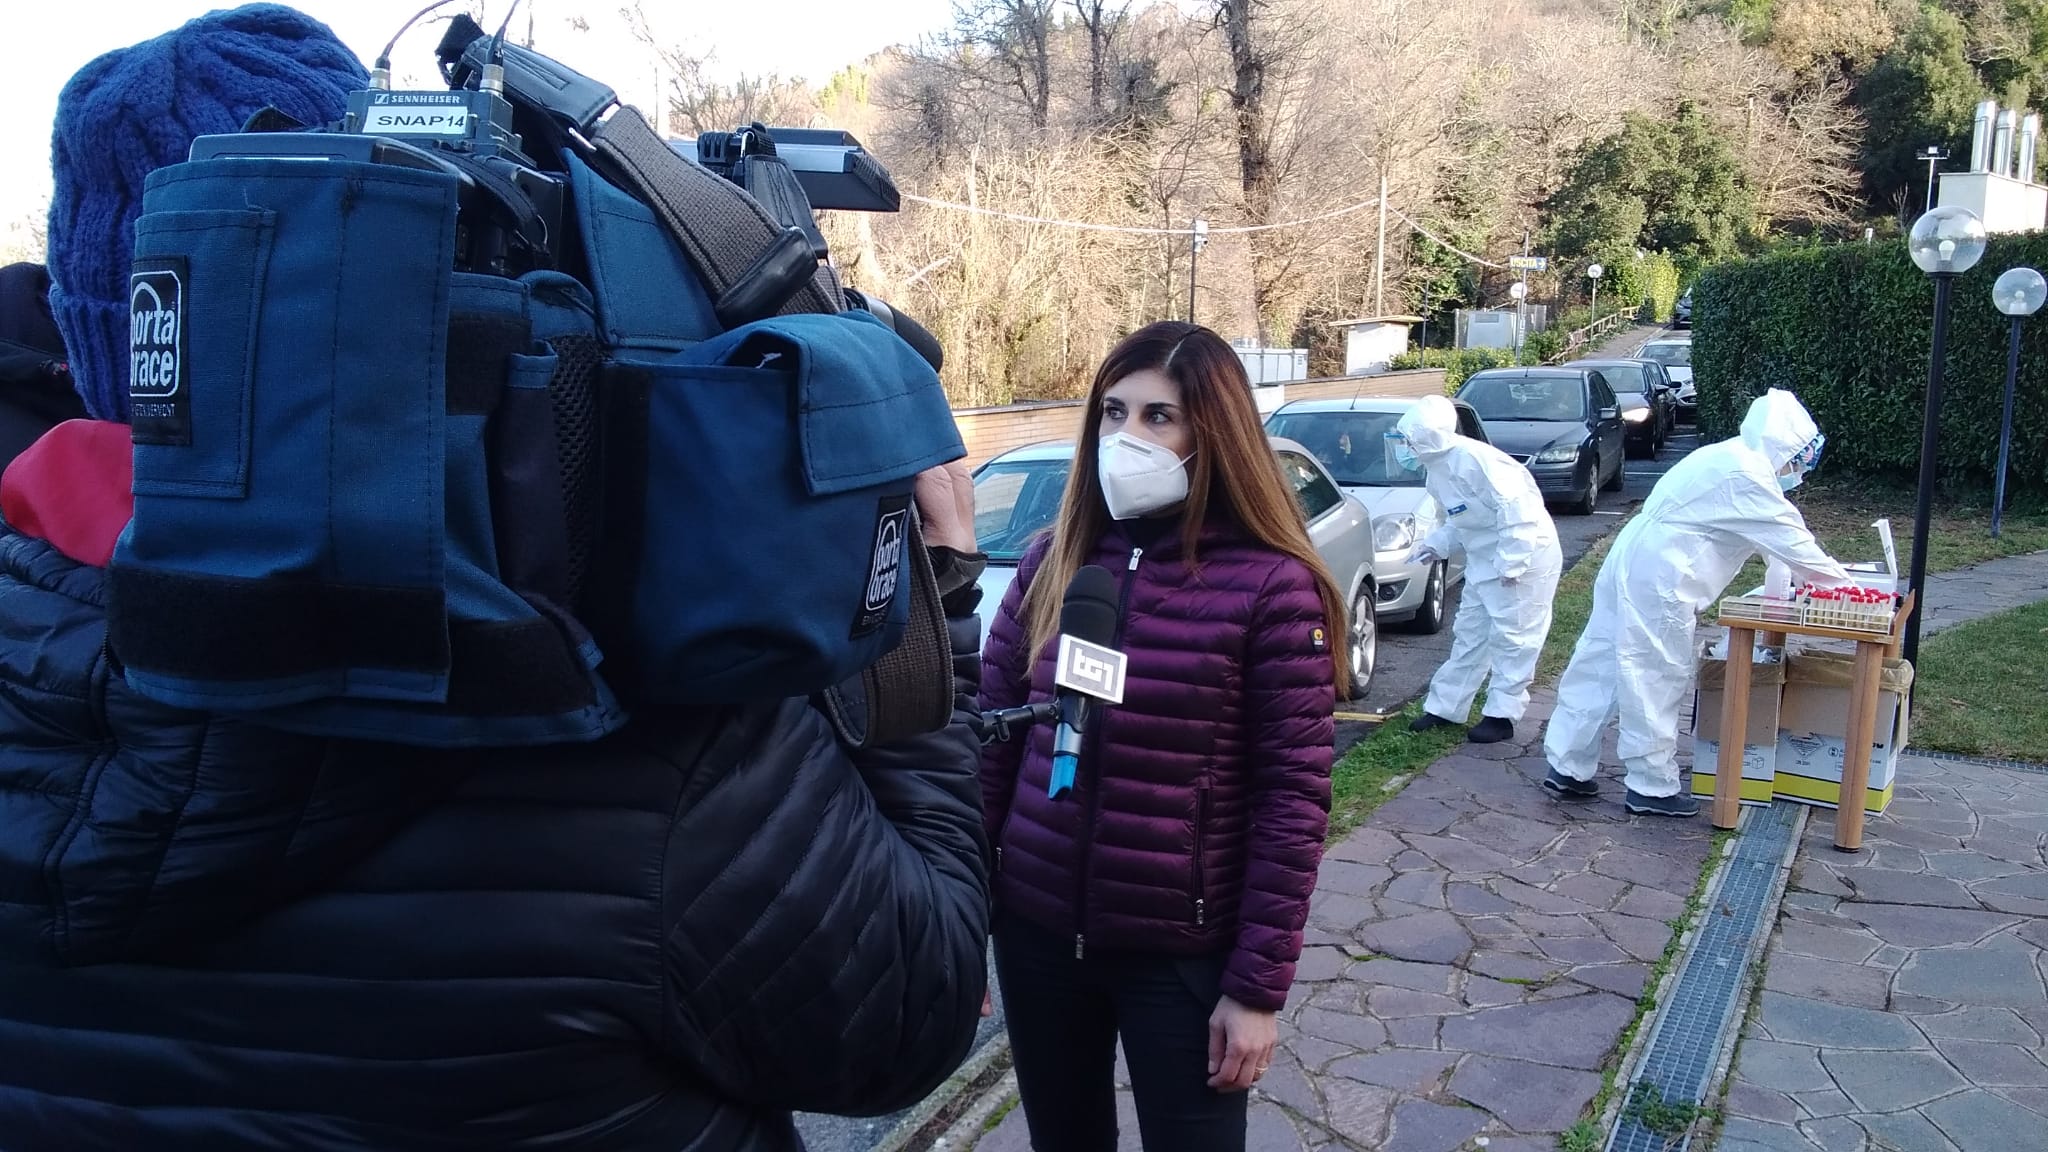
1579, 338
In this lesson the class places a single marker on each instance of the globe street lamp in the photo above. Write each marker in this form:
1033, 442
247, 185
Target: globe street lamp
2019, 294
1945, 243
1594, 273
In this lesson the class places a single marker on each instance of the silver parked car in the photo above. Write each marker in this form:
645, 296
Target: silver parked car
1348, 436
1017, 498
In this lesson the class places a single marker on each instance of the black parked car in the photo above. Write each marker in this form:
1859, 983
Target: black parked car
1649, 404
1563, 423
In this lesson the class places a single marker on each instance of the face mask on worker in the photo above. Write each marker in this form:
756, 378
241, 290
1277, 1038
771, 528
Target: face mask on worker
1401, 455
1139, 477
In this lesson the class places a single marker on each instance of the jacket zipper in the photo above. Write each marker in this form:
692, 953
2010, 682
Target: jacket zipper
1201, 827
1091, 762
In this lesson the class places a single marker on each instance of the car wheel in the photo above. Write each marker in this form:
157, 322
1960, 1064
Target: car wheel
1429, 618
1620, 476
1643, 450
1364, 641
1589, 503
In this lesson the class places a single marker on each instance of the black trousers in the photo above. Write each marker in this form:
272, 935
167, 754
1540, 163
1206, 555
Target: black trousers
1064, 1018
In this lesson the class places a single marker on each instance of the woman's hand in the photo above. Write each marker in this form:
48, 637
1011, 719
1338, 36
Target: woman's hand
1241, 1044
945, 504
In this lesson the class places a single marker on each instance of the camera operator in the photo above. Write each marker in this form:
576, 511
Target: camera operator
216, 936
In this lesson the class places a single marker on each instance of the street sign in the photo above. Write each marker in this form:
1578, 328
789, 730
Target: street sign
1529, 263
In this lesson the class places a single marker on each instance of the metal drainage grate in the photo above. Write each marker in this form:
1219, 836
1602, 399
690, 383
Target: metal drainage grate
1705, 1001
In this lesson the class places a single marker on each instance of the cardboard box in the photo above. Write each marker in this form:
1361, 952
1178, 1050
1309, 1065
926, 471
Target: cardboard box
1760, 739
1813, 725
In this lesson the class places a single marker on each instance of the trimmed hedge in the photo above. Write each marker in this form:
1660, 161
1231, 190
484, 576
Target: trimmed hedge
1847, 329
1459, 363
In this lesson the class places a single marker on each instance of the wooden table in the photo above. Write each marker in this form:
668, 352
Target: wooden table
1872, 649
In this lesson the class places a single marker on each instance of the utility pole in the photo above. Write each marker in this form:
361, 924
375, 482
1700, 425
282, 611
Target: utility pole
1198, 235
1379, 268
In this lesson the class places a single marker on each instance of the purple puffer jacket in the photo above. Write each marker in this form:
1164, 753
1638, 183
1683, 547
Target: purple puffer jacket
1200, 806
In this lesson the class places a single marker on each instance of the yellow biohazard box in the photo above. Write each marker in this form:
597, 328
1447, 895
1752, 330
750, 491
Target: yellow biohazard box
1813, 726
1759, 740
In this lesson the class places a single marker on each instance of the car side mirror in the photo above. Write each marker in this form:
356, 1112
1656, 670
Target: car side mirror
1610, 413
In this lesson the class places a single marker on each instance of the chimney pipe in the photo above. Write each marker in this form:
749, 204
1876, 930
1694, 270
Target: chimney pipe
2030, 138
1980, 135
2001, 142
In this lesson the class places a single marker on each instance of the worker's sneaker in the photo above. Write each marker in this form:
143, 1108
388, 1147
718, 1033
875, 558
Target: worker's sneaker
1492, 730
1679, 805
1566, 788
1428, 720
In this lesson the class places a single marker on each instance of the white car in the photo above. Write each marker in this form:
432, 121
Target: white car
1349, 437
1017, 498
1675, 354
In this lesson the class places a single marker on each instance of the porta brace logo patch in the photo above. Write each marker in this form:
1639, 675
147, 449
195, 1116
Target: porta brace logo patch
159, 395
885, 564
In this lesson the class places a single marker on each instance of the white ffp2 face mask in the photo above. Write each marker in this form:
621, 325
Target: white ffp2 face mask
1139, 477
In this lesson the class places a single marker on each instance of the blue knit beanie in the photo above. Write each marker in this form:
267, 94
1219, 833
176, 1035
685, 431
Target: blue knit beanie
138, 109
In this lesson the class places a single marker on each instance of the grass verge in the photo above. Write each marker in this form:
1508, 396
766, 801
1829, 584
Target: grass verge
1376, 767
1586, 1136
1982, 687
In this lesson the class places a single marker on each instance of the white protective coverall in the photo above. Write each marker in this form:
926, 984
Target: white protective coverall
1496, 514
1708, 515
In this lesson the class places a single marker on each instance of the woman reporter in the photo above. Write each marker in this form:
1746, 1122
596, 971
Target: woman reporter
1162, 898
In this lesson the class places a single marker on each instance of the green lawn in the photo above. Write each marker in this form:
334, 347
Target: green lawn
1983, 687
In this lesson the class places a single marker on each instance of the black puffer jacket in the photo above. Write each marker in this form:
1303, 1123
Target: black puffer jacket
215, 937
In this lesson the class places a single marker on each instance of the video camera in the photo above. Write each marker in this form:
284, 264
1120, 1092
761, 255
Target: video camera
500, 130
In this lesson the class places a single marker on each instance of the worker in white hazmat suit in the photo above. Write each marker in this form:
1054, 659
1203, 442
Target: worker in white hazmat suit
1708, 515
1494, 512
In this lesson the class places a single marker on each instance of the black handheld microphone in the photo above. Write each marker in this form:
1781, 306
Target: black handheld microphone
1088, 615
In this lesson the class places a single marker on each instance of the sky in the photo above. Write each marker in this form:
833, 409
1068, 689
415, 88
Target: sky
45, 41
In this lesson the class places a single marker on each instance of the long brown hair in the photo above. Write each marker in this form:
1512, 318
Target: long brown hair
1231, 458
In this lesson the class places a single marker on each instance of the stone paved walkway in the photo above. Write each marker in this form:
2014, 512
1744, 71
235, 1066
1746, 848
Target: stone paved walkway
1474, 953
1905, 997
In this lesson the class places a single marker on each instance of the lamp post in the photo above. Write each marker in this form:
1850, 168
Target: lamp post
1519, 291
1594, 273
1945, 243
2019, 294
1933, 154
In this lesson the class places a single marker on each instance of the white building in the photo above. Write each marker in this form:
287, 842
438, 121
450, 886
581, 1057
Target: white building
1372, 342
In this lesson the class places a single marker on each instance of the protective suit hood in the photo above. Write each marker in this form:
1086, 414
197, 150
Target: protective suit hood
1777, 425
1431, 426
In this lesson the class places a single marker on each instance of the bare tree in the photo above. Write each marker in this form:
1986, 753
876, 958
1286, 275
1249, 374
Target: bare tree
1104, 21
697, 103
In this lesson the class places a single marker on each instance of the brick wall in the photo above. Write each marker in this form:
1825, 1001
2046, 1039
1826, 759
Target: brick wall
990, 432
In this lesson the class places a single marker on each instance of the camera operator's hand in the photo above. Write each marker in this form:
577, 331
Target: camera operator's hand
945, 502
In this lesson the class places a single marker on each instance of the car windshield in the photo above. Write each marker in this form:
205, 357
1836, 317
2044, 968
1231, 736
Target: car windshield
1676, 354
1625, 378
1352, 445
1525, 398
1014, 501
